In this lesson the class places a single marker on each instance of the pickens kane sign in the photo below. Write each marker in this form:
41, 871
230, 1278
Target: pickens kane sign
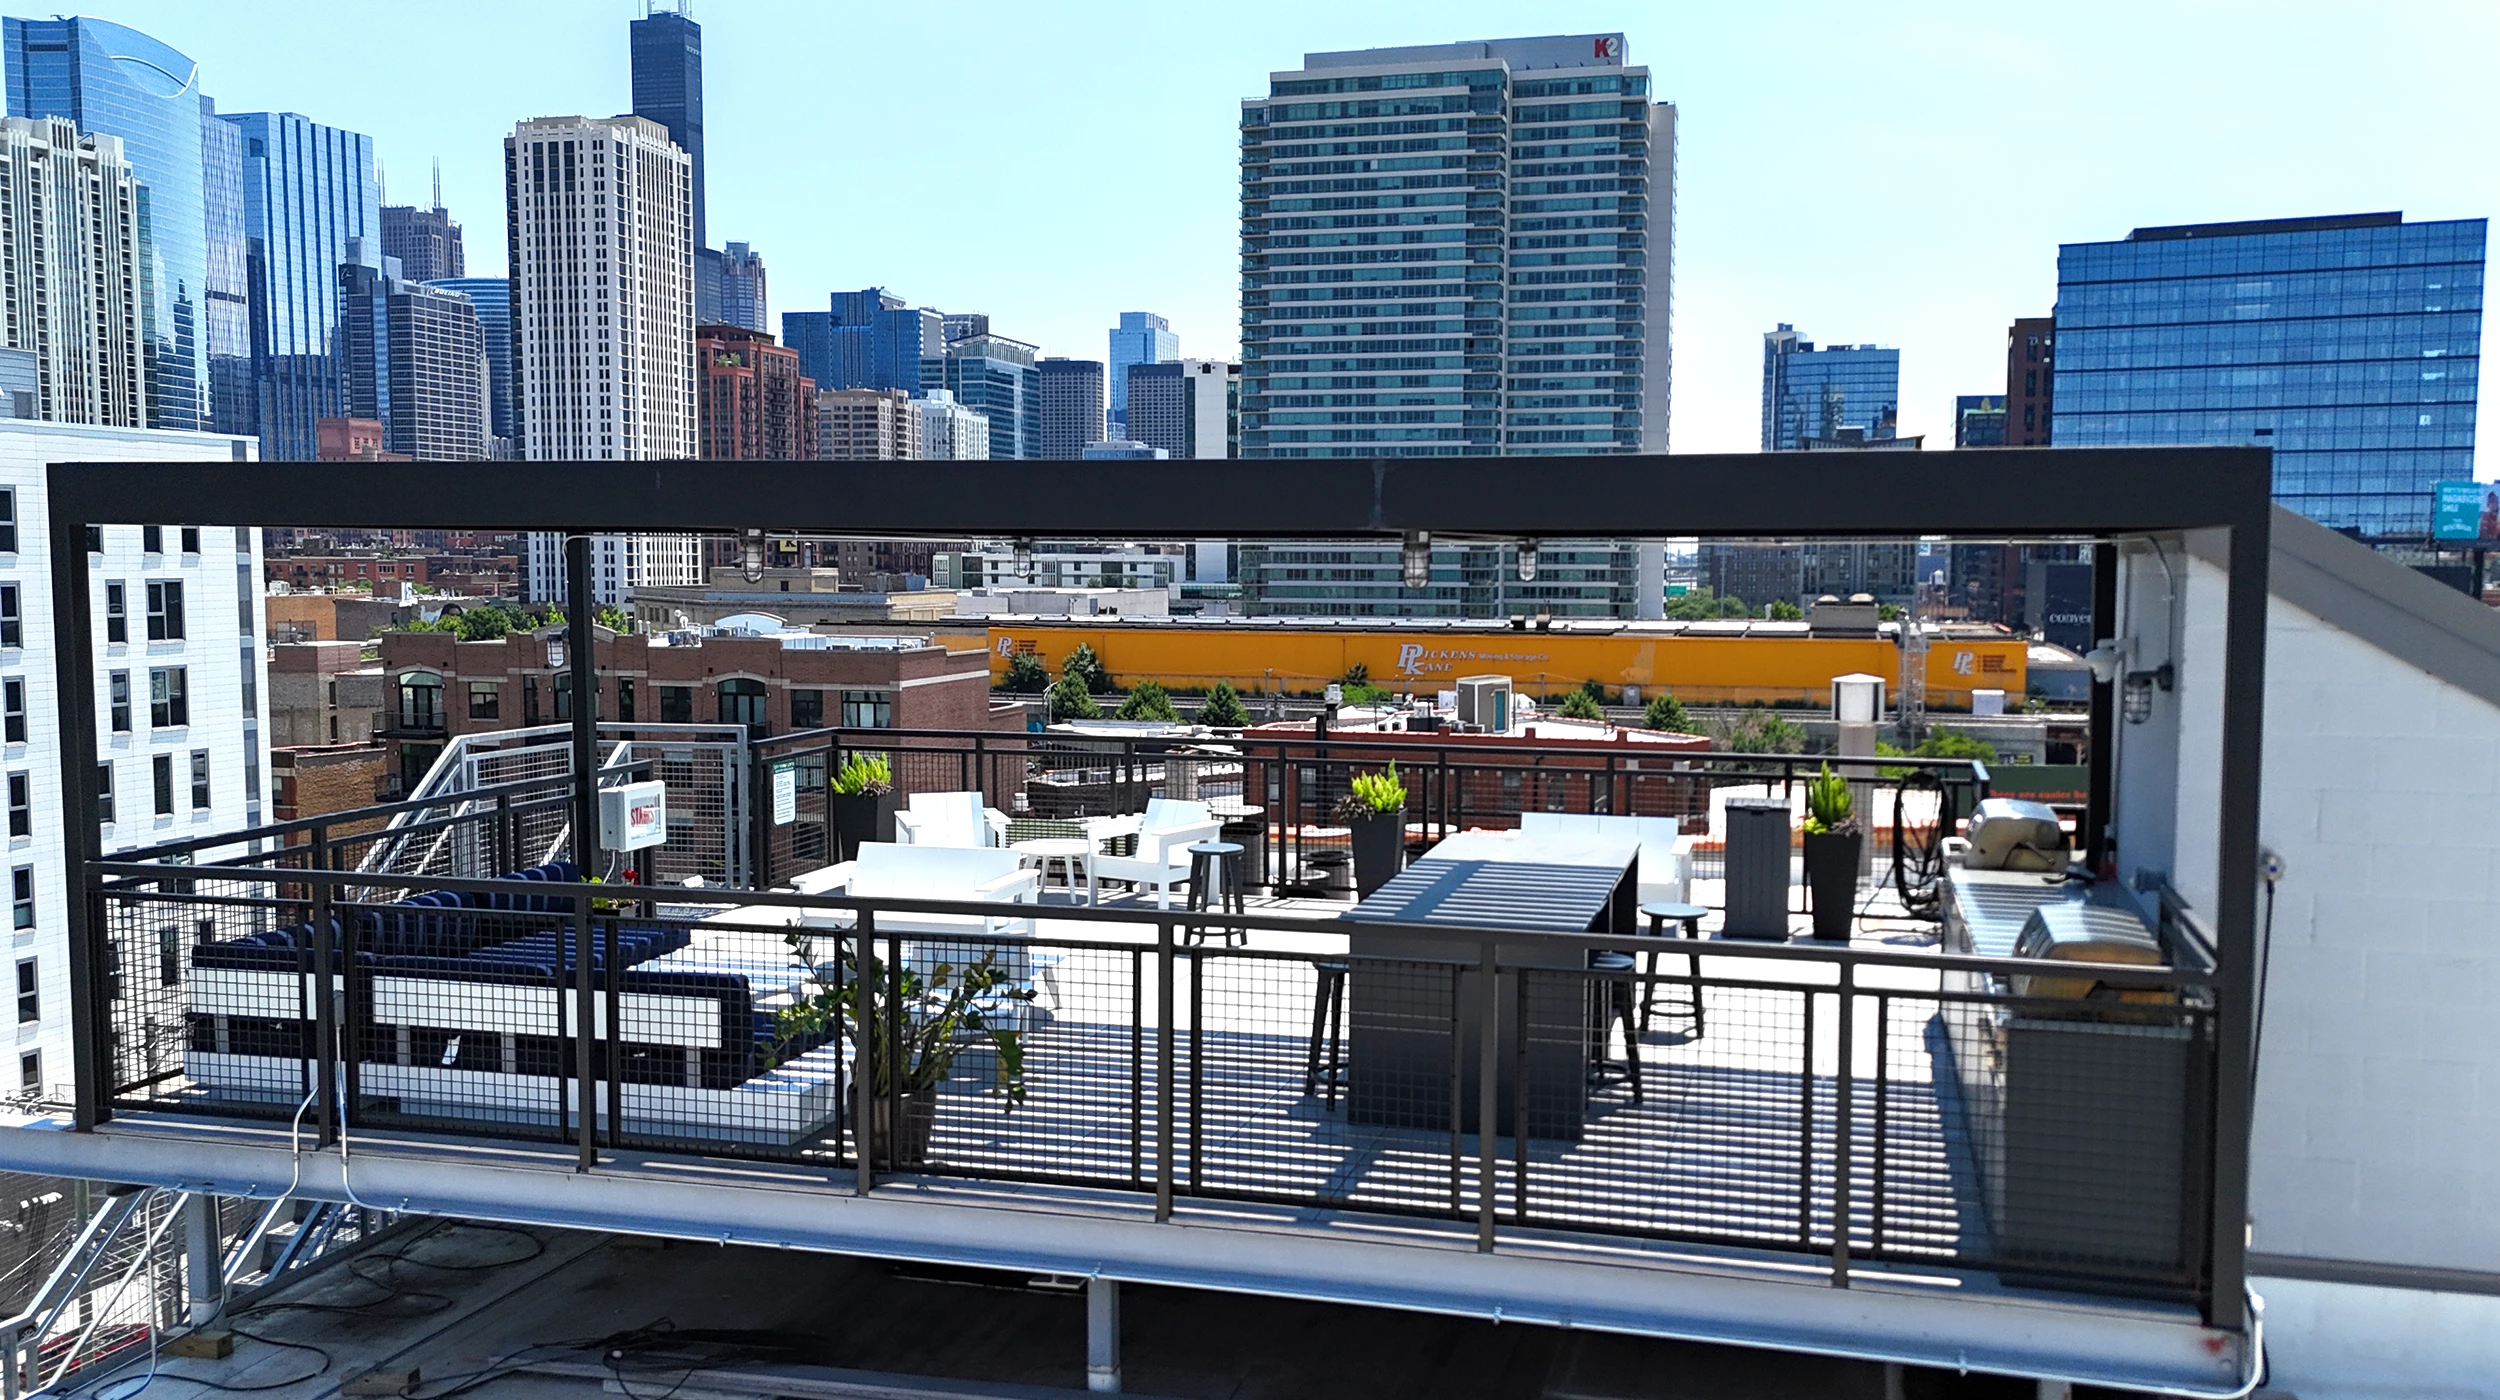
1415, 659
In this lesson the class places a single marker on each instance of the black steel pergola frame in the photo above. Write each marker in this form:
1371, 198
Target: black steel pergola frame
2100, 494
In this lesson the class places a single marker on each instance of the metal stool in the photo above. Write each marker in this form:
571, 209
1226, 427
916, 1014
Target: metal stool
1612, 976
1689, 1006
1327, 1020
1215, 880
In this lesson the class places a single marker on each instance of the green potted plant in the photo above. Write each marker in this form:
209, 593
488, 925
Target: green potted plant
862, 803
1374, 810
916, 1026
1833, 843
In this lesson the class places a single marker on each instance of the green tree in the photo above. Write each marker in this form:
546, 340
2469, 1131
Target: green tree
1357, 674
1890, 612
1761, 731
1070, 699
481, 624
1666, 712
1782, 610
1363, 693
1578, 705
1085, 665
1952, 743
1025, 675
616, 620
1148, 701
1223, 707
1596, 692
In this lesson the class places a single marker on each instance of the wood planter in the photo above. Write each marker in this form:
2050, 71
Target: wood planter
1832, 880
1379, 849
860, 816
899, 1148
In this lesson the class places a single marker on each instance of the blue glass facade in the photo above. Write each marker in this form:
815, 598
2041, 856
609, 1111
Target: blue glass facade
116, 81
307, 190
667, 51
1447, 251
1141, 338
1814, 393
226, 319
492, 296
868, 340
2352, 346
1000, 379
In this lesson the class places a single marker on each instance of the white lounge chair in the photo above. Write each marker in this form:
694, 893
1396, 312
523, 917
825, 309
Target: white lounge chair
950, 819
1666, 872
1165, 834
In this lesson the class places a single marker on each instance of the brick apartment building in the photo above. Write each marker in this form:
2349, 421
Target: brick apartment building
753, 403
439, 688
323, 692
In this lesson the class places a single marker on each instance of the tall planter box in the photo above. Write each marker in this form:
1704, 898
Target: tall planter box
1379, 850
1832, 879
860, 816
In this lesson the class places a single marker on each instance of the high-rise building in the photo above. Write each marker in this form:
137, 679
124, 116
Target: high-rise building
2351, 345
308, 190
1815, 393
667, 49
426, 241
996, 377
112, 80
232, 404
1185, 407
70, 275
2030, 381
492, 299
868, 339
867, 425
1979, 420
179, 684
755, 405
1501, 285
948, 431
1072, 407
742, 298
1141, 338
1471, 579
596, 219
412, 357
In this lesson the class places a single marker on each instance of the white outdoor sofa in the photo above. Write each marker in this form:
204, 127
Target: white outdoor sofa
1666, 869
970, 874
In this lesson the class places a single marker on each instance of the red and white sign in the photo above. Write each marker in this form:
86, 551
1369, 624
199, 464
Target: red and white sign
633, 816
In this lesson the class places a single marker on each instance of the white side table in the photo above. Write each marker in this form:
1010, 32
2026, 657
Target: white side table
1073, 853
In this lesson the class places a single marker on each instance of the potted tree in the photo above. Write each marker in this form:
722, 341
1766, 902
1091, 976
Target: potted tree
1374, 810
915, 1025
862, 802
1833, 841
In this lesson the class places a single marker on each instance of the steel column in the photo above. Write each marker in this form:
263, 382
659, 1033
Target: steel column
1102, 1335
581, 608
74, 686
2235, 911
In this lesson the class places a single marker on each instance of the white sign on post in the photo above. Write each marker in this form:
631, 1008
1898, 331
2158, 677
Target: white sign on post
785, 793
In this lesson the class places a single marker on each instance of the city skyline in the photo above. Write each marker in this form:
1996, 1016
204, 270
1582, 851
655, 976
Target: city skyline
1937, 271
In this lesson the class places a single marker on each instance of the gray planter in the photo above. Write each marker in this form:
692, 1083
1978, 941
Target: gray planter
1379, 849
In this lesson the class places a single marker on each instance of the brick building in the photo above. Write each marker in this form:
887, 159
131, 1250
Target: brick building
2030, 364
315, 780
754, 404
866, 425
323, 692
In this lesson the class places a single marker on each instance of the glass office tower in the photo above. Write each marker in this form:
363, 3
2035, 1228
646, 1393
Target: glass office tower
1810, 393
226, 322
116, 81
308, 190
2349, 344
492, 296
1457, 249
667, 49
1001, 379
1141, 338
868, 339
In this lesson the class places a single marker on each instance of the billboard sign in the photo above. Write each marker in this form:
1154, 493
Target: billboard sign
2466, 510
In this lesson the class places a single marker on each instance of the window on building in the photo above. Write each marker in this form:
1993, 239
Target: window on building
190, 539
169, 956
742, 702
21, 804
169, 697
116, 612
199, 780
625, 699
485, 699
421, 702
30, 1072
807, 709
117, 690
151, 539
12, 626
95, 539
165, 611
867, 709
22, 897
163, 767
104, 793
29, 977
8, 520
13, 711
529, 699
676, 704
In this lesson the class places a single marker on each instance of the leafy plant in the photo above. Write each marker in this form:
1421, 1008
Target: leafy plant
1083, 665
1782, 610
1952, 743
1761, 731
1223, 707
1666, 712
1026, 675
1830, 807
1595, 691
1578, 705
1376, 794
863, 774
1363, 693
1890, 612
930, 1017
616, 620
1070, 699
1148, 701
1360, 673
1700, 605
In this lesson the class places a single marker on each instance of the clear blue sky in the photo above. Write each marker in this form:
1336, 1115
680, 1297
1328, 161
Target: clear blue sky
1882, 173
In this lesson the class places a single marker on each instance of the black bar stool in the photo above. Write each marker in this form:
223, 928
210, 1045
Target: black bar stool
1612, 974
1328, 1023
1689, 1005
1215, 880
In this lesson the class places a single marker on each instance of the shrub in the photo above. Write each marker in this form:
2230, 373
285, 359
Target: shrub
1070, 699
1025, 675
1666, 712
1578, 705
1148, 701
1223, 708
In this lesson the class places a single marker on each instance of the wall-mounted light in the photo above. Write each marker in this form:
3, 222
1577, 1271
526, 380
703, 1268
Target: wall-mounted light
2135, 699
754, 556
1024, 559
1527, 561
1415, 559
